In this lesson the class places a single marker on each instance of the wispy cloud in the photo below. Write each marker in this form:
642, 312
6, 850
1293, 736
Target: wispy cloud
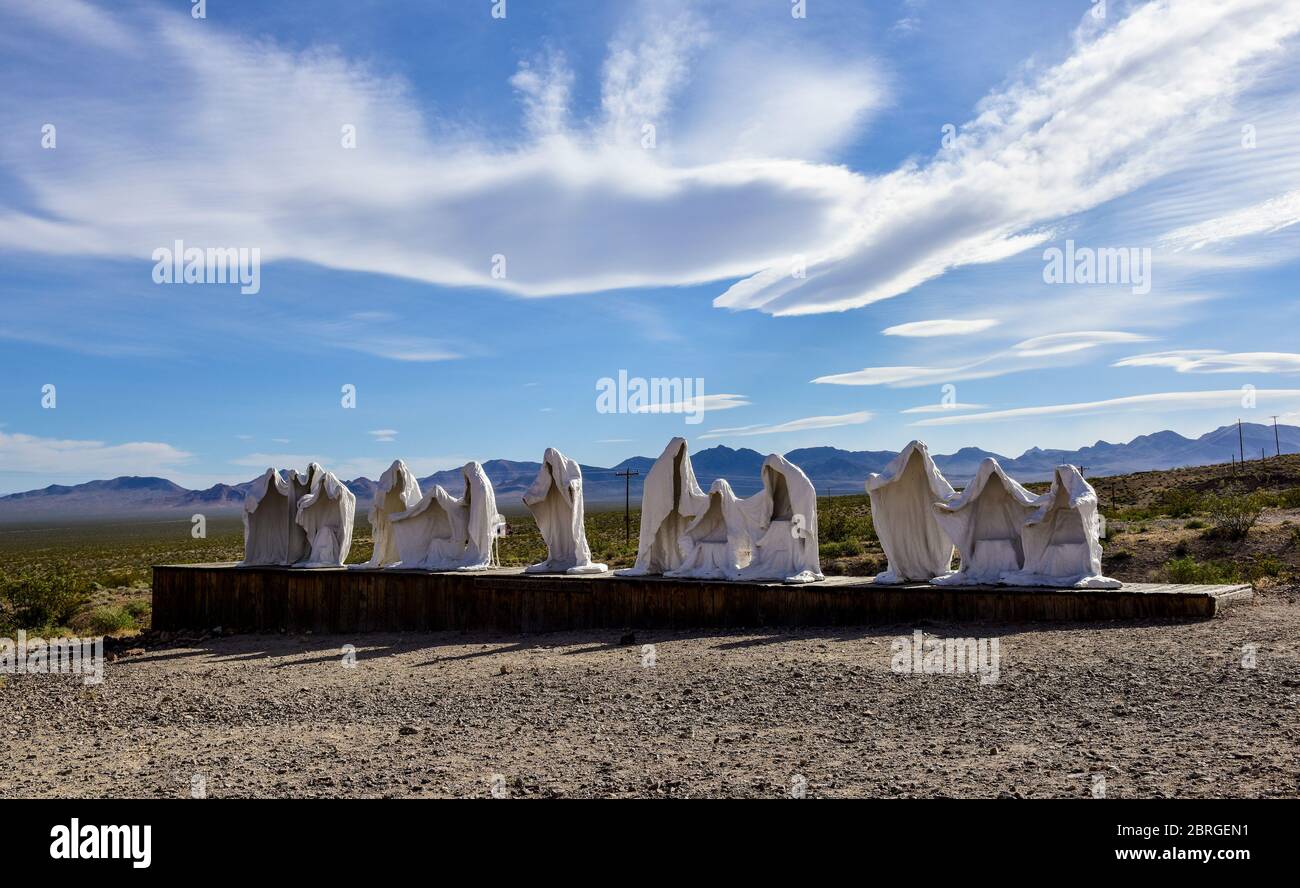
1262, 218
941, 407
1211, 361
794, 425
1144, 403
1097, 126
943, 327
383, 436
697, 404
62, 456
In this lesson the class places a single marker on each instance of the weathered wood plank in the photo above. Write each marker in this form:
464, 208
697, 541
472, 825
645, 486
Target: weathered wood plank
200, 597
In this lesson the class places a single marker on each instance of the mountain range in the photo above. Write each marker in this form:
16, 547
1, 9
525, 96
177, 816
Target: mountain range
833, 471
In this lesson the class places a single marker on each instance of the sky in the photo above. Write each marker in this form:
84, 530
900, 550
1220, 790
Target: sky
830, 223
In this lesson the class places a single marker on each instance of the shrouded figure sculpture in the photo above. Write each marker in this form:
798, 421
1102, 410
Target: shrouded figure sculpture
431, 534
984, 521
443, 532
1062, 537
902, 511
670, 500
326, 515
715, 544
398, 491
555, 500
271, 532
782, 523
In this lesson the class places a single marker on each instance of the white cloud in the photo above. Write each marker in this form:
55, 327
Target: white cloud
942, 327
1211, 361
1262, 218
1064, 343
407, 202
66, 457
346, 468
1143, 403
1020, 357
941, 408
1104, 122
794, 425
700, 403
383, 436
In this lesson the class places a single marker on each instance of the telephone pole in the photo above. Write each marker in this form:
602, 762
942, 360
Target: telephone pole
1241, 442
1277, 442
627, 475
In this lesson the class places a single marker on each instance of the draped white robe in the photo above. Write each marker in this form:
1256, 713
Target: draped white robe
715, 543
555, 500
985, 522
1062, 538
398, 491
670, 500
782, 523
902, 511
326, 515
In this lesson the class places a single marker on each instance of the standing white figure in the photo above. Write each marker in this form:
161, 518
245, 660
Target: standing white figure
670, 500
398, 491
326, 515
715, 544
267, 520
300, 484
480, 504
1061, 538
555, 499
902, 510
782, 523
985, 522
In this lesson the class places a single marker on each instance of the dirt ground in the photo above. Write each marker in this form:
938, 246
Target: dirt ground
1158, 710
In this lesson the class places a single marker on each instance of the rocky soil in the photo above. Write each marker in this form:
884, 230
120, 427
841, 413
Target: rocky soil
1158, 710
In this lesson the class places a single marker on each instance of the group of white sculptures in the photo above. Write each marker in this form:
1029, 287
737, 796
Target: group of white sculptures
1002, 532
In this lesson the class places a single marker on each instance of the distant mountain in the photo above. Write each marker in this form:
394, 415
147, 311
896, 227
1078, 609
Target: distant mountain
832, 470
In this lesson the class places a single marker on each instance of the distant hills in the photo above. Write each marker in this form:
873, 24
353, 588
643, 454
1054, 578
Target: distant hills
832, 470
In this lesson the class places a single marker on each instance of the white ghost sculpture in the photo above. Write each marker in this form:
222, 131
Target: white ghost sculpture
782, 523
326, 515
670, 500
482, 522
271, 533
902, 510
1062, 539
398, 491
555, 500
985, 522
715, 544
431, 534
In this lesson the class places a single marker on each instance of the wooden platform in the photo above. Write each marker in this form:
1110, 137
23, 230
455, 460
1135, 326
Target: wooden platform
333, 600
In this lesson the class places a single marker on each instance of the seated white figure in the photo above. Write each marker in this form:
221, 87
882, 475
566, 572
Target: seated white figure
299, 487
902, 511
985, 521
326, 515
431, 534
398, 491
782, 523
555, 500
670, 500
1061, 538
715, 544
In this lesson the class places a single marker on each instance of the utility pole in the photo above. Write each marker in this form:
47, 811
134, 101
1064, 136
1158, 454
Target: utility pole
1276, 440
1241, 443
627, 476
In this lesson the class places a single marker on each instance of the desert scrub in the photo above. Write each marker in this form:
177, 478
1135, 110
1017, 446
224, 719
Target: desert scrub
110, 620
1232, 515
1178, 503
1188, 570
40, 600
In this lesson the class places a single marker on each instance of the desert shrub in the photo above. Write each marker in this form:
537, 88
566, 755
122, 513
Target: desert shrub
138, 607
1177, 503
1232, 515
1114, 557
1289, 499
838, 525
1265, 566
1181, 549
107, 620
39, 600
1189, 570
1195, 524
844, 549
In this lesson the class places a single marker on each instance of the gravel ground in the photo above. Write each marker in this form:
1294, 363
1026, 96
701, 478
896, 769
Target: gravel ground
1159, 710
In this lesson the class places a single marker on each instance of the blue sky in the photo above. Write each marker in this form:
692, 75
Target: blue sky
915, 158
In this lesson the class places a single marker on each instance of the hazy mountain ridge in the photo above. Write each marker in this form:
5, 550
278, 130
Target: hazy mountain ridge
832, 470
